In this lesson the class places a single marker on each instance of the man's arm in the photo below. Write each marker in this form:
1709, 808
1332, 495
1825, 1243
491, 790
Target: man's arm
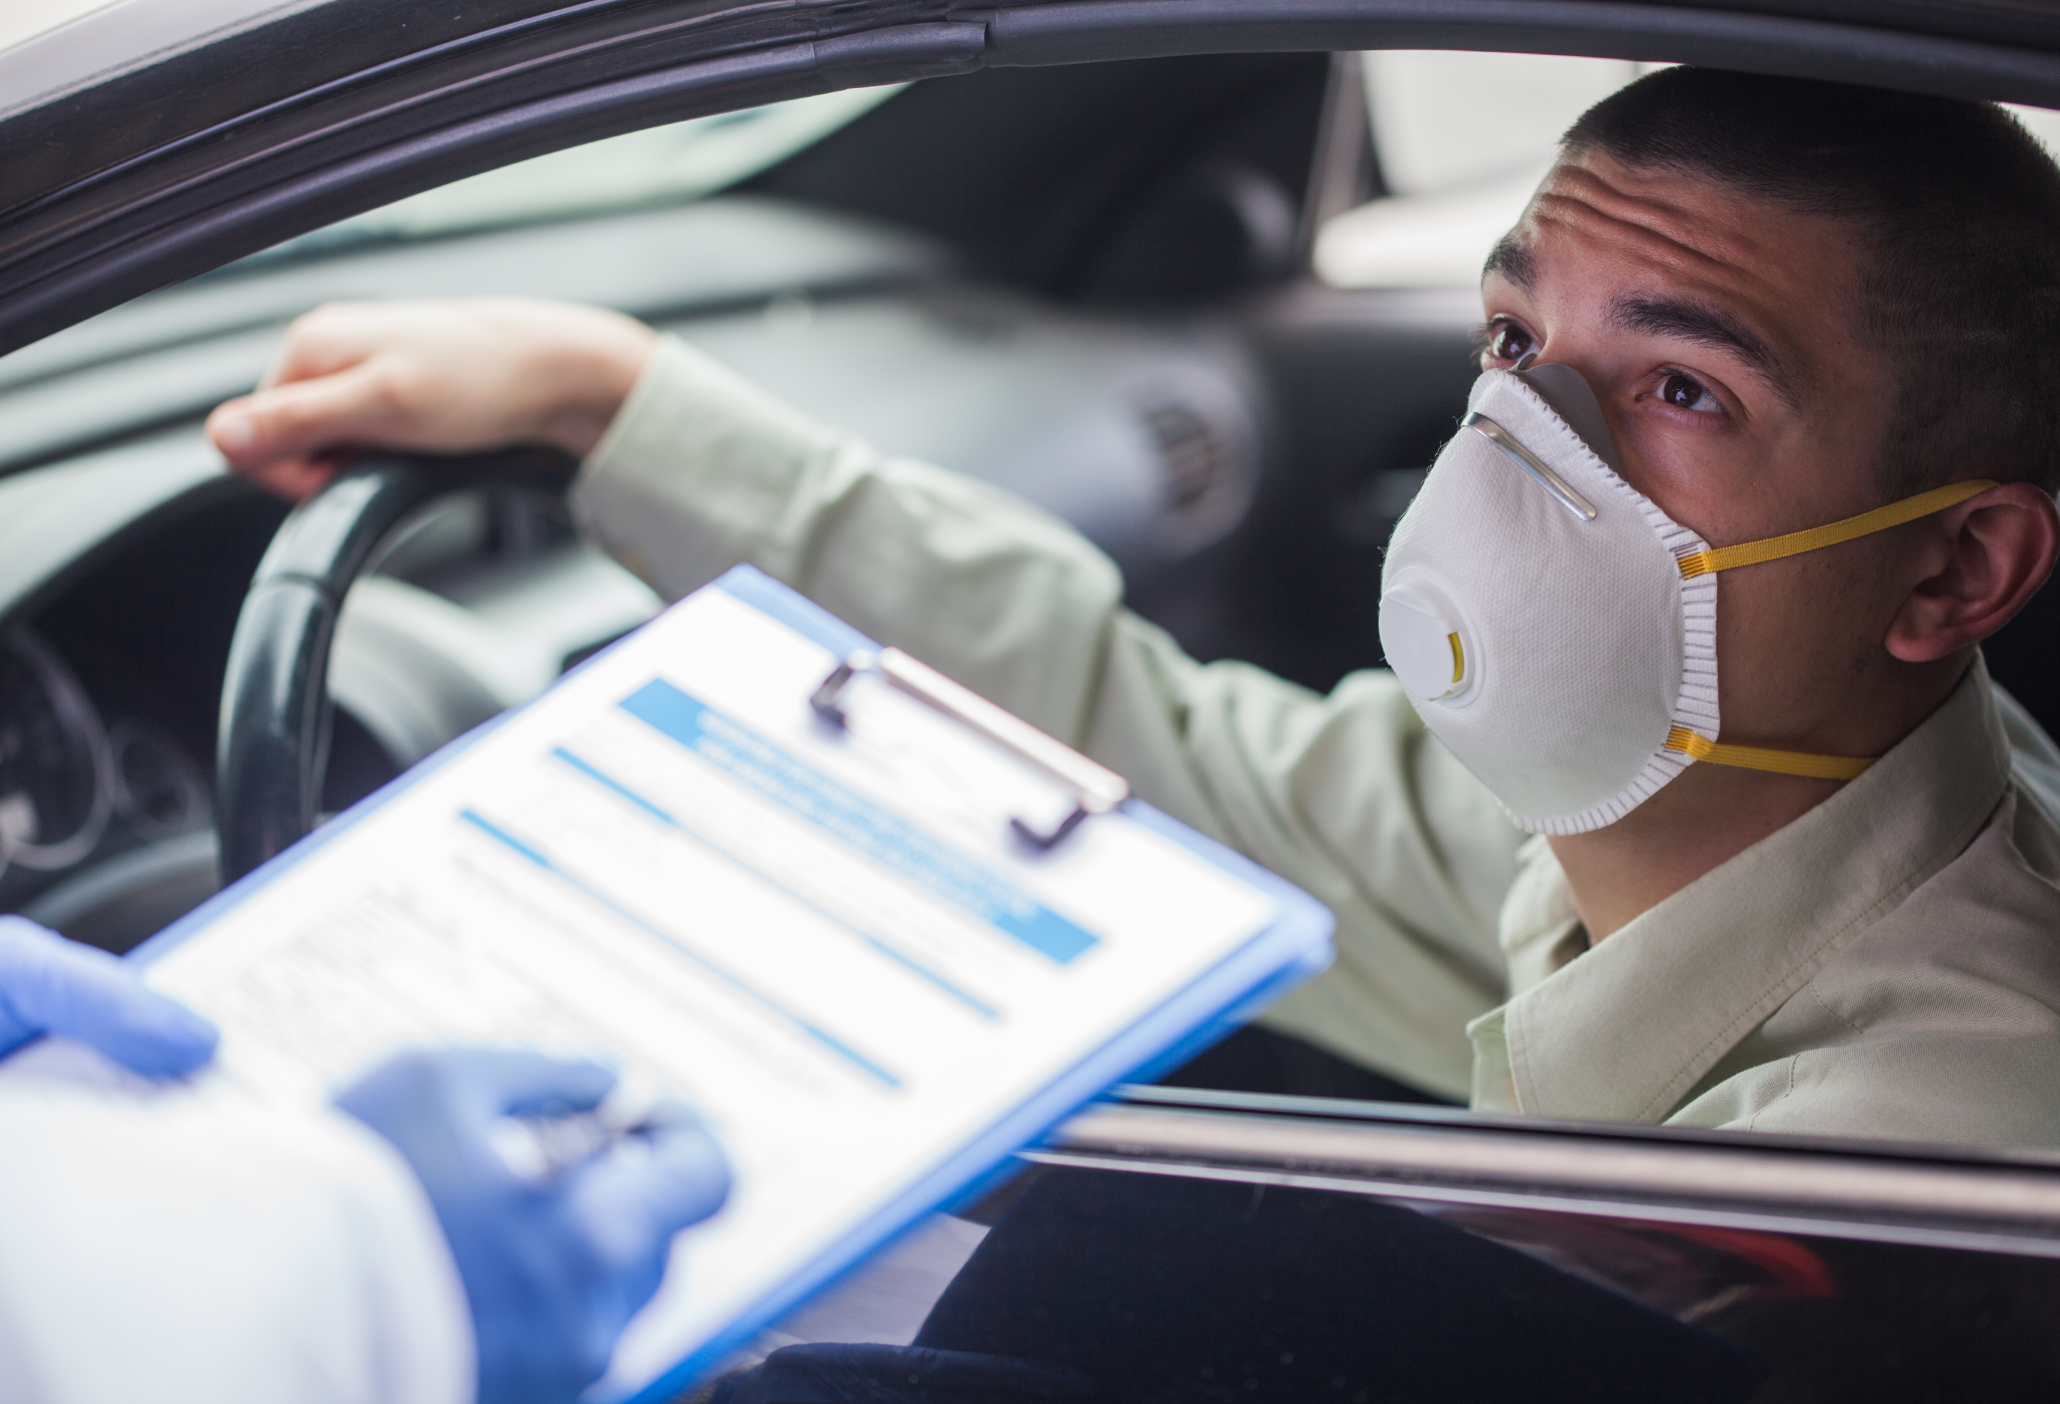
1346, 795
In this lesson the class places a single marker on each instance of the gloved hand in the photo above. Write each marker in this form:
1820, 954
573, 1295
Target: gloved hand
51, 985
885, 1374
554, 1268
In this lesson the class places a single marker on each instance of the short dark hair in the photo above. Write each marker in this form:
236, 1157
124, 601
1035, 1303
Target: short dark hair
1959, 207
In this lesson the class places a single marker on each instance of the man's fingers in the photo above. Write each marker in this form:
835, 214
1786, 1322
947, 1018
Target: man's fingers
299, 421
333, 337
51, 985
431, 377
295, 479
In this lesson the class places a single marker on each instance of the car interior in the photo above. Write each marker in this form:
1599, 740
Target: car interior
1109, 288
971, 271
1090, 285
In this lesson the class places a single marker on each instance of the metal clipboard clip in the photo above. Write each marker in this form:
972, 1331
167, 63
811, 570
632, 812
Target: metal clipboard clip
1096, 789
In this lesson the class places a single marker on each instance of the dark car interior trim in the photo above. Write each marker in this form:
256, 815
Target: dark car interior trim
1073, 31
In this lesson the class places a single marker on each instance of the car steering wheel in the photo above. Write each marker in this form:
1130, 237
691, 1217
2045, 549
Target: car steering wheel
272, 748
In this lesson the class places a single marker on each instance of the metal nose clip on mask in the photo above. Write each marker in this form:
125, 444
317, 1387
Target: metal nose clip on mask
1554, 628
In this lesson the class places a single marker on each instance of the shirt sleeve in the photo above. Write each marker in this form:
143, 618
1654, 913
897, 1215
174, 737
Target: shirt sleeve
1347, 795
158, 1244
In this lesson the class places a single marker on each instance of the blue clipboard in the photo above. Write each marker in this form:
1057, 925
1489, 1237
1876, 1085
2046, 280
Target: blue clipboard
1296, 946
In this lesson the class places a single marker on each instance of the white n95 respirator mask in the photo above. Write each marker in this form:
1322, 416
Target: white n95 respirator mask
1554, 628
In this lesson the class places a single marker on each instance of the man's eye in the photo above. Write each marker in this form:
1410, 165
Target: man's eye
1684, 391
1509, 342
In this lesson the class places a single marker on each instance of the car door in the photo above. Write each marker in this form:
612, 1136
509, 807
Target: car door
1179, 1245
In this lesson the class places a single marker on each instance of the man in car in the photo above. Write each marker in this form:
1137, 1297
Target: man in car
1796, 302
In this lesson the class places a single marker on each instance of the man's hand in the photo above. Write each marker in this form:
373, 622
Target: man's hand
51, 985
430, 377
555, 1267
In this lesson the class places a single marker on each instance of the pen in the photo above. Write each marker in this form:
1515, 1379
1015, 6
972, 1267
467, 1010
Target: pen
541, 1147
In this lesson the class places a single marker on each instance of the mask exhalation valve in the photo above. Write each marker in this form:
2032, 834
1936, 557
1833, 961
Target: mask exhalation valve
1427, 642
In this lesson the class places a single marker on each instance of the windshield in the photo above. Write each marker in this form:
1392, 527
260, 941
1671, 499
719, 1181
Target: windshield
657, 166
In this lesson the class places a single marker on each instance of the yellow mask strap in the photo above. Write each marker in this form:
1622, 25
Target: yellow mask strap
1717, 558
1805, 763
1816, 538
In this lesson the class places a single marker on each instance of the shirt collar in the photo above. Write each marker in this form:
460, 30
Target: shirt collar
1625, 1030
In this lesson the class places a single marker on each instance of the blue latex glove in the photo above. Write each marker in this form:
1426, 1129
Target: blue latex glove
51, 985
885, 1374
553, 1268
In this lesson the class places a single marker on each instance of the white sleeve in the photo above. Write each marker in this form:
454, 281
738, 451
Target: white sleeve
194, 1249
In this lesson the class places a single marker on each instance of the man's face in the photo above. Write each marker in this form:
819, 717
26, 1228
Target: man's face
1718, 333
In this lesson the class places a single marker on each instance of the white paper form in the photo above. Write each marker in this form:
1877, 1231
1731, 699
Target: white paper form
826, 940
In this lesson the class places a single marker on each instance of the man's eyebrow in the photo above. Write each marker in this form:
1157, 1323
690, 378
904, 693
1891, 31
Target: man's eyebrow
1513, 261
1706, 326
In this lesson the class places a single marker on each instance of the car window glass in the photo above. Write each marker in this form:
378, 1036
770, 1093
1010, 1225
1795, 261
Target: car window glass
671, 164
1461, 140
1450, 121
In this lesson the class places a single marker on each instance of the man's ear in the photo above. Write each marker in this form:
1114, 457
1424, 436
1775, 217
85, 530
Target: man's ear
1981, 562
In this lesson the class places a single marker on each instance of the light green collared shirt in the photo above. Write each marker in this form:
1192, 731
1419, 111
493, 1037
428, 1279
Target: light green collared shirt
1887, 965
